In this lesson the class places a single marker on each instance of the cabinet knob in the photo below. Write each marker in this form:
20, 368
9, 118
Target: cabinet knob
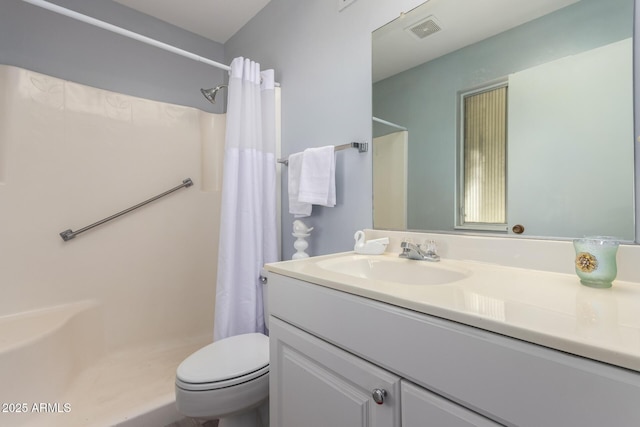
378, 395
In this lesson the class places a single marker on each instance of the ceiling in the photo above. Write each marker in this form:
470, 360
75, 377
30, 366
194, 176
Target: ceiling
395, 49
216, 20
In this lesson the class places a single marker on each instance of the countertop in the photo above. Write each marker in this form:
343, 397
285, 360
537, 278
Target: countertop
545, 308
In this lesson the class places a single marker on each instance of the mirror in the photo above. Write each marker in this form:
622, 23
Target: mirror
568, 157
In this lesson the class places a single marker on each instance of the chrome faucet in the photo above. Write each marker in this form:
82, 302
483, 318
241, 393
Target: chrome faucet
412, 251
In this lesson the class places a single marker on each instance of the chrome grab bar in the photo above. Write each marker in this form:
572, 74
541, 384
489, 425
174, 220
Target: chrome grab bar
69, 234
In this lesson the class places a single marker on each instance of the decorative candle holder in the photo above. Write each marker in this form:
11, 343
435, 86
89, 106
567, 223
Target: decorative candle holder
300, 232
596, 260
300, 245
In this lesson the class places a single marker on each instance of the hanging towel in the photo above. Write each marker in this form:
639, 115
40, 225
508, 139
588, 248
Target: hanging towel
297, 208
318, 176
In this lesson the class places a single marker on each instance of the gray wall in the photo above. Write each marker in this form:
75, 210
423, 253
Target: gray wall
322, 59
43, 41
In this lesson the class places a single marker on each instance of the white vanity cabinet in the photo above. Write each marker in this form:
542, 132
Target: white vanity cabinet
320, 385
331, 349
316, 384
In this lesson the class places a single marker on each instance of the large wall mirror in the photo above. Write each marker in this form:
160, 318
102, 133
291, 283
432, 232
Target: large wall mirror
506, 116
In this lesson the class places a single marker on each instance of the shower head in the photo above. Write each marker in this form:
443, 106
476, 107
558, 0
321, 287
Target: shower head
211, 93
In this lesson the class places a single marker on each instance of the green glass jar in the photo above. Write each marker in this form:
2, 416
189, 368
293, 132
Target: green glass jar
596, 260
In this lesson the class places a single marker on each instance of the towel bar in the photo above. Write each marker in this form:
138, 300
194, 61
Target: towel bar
362, 147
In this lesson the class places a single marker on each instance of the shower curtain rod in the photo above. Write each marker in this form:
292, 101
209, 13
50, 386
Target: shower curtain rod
127, 33
385, 122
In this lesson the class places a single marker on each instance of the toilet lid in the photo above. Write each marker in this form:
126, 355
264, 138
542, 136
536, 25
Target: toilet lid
229, 361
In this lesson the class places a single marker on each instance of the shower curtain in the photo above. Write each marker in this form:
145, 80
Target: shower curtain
248, 214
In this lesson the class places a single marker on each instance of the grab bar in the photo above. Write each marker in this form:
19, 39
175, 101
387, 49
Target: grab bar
362, 147
68, 234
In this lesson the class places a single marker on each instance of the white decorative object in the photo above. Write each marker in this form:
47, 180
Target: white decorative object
371, 247
300, 227
300, 232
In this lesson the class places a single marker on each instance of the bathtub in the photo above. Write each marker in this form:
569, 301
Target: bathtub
92, 330
54, 371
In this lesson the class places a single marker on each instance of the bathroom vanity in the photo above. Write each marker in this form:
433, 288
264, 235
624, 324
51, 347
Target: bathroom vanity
362, 340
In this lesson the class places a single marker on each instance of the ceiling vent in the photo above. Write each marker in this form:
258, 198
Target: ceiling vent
424, 28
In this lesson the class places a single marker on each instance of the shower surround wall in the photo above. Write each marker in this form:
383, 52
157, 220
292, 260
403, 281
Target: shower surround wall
100, 322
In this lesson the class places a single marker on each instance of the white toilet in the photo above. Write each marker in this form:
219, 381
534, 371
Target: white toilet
227, 380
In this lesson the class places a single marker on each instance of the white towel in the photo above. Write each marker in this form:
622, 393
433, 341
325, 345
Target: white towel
297, 208
318, 176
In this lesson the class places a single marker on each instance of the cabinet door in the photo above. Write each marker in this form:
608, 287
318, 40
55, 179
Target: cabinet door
421, 408
315, 384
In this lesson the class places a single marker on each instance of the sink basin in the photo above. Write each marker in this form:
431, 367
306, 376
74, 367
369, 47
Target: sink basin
398, 270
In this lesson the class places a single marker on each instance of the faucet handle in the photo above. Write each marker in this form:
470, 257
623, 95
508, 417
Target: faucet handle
431, 250
430, 246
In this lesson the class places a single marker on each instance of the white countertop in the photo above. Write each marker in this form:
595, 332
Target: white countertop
546, 308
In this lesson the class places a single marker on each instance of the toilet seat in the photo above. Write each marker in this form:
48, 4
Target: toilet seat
225, 363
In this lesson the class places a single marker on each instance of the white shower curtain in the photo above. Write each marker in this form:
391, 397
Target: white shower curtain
248, 215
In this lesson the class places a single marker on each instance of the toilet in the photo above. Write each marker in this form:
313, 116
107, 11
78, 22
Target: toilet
227, 380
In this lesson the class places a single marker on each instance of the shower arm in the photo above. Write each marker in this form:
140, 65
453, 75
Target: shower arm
210, 94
